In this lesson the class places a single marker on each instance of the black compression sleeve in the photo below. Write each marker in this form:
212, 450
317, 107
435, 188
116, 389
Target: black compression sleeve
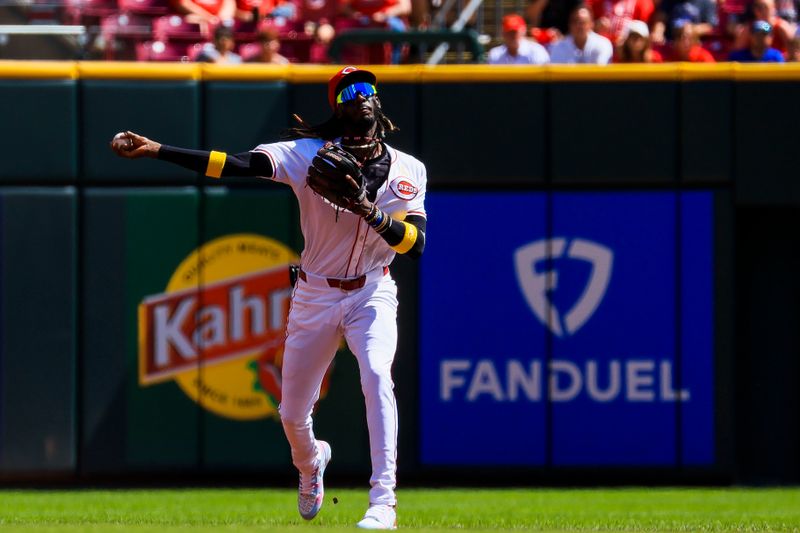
241, 164
398, 236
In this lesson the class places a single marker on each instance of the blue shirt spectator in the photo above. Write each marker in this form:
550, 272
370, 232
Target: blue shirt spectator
771, 55
760, 49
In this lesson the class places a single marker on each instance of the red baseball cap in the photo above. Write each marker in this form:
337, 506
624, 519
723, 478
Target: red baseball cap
513, 22
344, 77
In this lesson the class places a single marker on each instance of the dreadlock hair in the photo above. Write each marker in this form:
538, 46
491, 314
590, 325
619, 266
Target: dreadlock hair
334, 127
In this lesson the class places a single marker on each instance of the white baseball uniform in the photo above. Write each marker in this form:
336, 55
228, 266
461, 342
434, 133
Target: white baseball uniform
321, 314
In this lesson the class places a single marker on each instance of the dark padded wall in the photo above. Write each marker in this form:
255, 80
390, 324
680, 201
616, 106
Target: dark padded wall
765, 149
483, 134
706, 131
167, 112
39, 132
768, 344
613, 132
38, 329
102, 248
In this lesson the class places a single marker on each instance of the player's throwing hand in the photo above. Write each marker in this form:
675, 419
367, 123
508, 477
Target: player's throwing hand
130, 145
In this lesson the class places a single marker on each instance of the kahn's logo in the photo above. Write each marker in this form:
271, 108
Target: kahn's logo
218, 328
536, 281
403, 189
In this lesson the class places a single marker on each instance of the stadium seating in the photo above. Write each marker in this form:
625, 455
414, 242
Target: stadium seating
121, 33
144, 7
160, 51
174, 28
88, 12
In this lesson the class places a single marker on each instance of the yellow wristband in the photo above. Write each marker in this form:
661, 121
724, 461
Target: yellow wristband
215, 163
409, 238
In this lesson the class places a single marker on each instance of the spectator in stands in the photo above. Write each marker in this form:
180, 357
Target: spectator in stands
788, 10
281, 11
702, 14
782, 30
550, 18
611, 16
686, 45
760, 49
517, 50
388, 14
270, 46
251, 10
635, 46
210, 12
221, 50
793, 50
582, 45
319, 17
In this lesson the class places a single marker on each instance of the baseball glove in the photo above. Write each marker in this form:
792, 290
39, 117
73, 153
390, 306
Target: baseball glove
335, 174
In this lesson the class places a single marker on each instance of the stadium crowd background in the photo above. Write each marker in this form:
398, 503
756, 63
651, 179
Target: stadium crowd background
532, 32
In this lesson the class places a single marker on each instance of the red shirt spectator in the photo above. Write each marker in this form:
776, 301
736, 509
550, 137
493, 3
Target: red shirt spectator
245, 8
611, 16
685, 46
375, 12
369, 7
209, 11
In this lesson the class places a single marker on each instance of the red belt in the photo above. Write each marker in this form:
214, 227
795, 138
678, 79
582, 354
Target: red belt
344, 284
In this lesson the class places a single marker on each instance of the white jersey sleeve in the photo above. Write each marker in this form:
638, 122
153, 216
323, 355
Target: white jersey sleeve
290, 159
407, 182
417, 205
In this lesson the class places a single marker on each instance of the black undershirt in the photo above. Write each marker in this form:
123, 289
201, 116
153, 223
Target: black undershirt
375, 172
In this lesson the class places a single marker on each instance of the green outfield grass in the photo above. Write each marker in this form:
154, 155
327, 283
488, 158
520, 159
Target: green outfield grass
235, 510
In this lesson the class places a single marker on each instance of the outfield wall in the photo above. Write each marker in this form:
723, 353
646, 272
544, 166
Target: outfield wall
655, 344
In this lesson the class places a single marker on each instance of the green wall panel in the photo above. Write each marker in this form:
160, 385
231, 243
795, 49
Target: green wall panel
477, 134
38, 330
765, 158
39, 127
613, 132
166, 112
143, 237
706, 131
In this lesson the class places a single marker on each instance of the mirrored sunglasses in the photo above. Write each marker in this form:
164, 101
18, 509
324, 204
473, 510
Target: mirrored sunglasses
350, 92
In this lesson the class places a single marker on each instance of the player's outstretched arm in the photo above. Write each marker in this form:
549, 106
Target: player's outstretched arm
212, 163
132, 146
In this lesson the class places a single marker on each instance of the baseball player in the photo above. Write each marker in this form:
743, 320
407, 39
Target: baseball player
361, 202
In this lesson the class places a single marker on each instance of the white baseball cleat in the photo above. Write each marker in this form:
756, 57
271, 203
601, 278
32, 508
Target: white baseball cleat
379, 517
311, 492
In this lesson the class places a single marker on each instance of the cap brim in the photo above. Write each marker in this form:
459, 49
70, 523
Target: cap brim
353, 77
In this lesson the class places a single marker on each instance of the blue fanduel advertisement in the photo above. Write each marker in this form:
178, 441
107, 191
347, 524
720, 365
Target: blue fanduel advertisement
570, 329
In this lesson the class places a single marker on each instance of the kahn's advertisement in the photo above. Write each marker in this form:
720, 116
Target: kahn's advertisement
576, 326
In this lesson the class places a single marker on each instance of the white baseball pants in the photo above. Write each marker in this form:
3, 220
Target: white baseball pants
367, 317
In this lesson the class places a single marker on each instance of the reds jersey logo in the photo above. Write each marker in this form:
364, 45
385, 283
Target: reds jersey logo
404, 189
